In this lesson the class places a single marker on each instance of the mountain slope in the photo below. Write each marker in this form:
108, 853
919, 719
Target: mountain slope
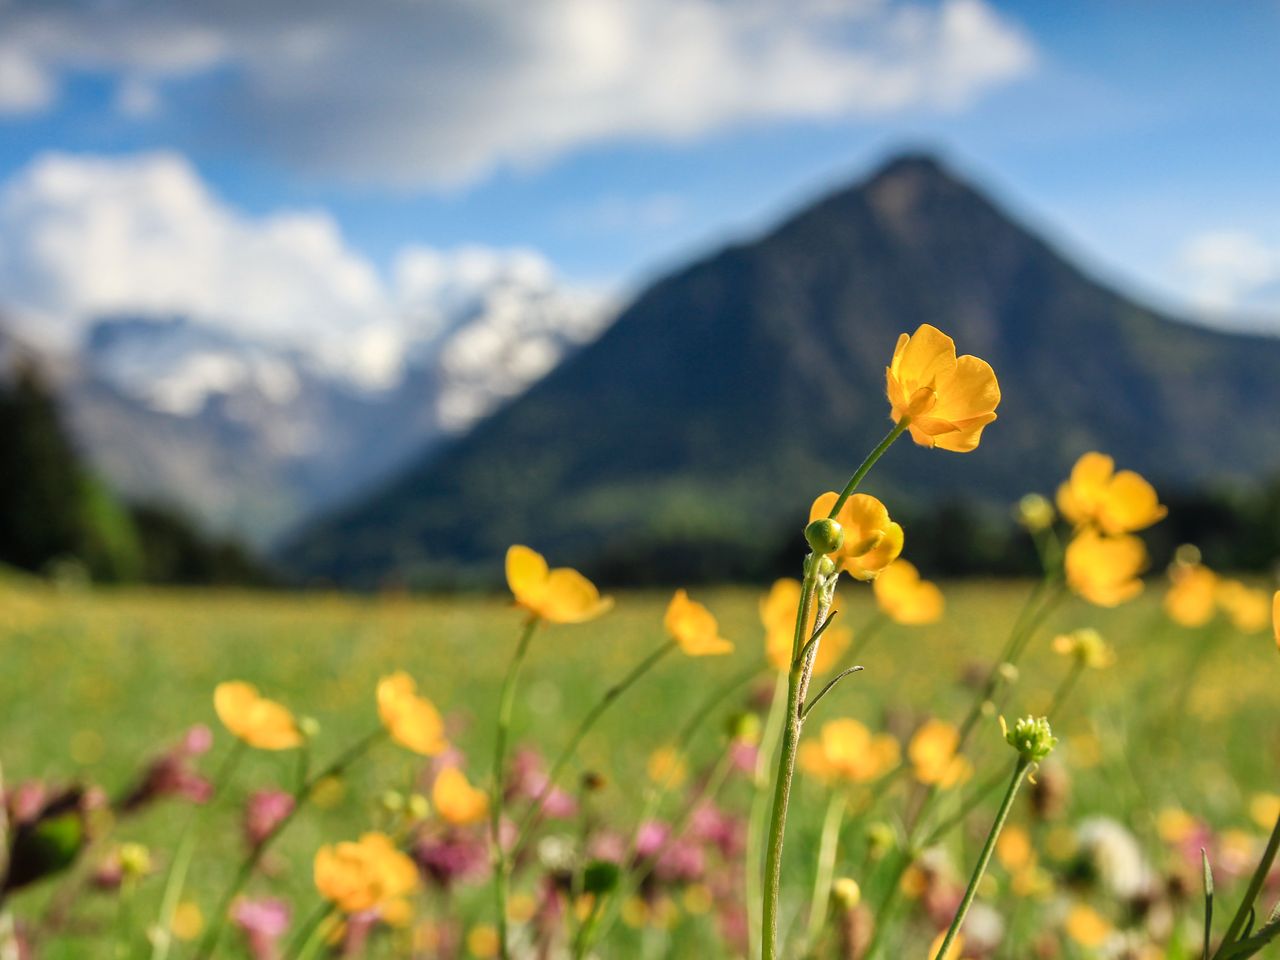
731, 392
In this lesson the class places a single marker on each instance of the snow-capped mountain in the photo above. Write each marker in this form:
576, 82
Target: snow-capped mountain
251, 436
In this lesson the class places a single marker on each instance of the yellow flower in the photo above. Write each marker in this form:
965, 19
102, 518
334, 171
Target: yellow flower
847, 750
1246, 606
1087, 927
933, 756
456, 800
906, 598
871, 540
946, 399
1264, 808
365, 875
1087, 646
666, 767
693, 627
1113, 502
482, 941
1104, 570
259, 722
412, 721
558, 596
778, 614
1014, 850
188, 921
1192, 597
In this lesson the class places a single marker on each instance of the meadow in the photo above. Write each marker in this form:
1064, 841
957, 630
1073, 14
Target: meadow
1176, 743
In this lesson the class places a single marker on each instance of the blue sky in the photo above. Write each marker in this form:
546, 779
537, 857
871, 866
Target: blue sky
1144, 136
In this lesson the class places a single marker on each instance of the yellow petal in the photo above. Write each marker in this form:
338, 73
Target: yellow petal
694, 627
572, 598
927, 355
456, 801
526, 574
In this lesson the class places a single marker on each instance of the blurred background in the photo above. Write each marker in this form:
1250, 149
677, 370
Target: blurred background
359, 294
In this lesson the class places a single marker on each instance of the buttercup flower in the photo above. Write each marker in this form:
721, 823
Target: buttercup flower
1246, 606
1112, 502
666, 767
905, 598
778, 614
557, 596
371, 874
259, 722
954, 952
871, 540
933, 756
412, 721
1087, 646
1031, 737
847, 750
1087, 927
1104, 570
1192, 597
456, 800
693, 627
946, 399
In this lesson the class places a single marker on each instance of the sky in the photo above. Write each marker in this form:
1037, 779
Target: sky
302, 168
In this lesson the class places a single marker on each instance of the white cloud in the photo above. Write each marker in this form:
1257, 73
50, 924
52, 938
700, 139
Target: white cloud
83, 237
1231, 272
445, 91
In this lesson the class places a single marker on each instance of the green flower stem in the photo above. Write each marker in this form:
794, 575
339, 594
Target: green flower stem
313, 933
505, 707
971, 803
557, 768
218, 920
756, 824
1019, 774
786, 770
1256, 883
865, 467
826, 866
1064, 689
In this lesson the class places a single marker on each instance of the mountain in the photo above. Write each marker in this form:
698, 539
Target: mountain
731, 392
251, 436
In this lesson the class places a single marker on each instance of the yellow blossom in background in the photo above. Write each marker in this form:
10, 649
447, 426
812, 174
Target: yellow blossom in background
778, 614
483, 941
368, 874
1193, 595
456, 800
1175, 825
1096, 495
1013, 849
1104, 570
1087, 646
871, 540
259, 722
906, 598
666, 767
954, 952
1087, 927
933, 757
693, 627
412, 721
187, 922
1264, 808
947, 400
557, 596
847, 750
1246, 606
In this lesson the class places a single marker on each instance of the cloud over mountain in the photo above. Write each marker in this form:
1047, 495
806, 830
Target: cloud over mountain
444, 92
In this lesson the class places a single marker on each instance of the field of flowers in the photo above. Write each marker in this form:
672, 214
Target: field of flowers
1085, 766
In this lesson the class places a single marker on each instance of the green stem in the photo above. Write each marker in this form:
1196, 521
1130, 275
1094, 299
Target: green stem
589, 721
755, 825
316, 931
302, 938
786, 770
865, 467
1251, 892
826, 866
1019, 772
218, 920
1064, 690
505, 707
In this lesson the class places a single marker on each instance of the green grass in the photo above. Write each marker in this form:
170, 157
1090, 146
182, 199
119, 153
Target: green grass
94, 683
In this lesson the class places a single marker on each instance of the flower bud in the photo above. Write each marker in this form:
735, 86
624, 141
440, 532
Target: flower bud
824, 536
846, 892
744, 726
418, 807
309, 727
392, 801
1031, 737
880, 839
135, 860
1035, 513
